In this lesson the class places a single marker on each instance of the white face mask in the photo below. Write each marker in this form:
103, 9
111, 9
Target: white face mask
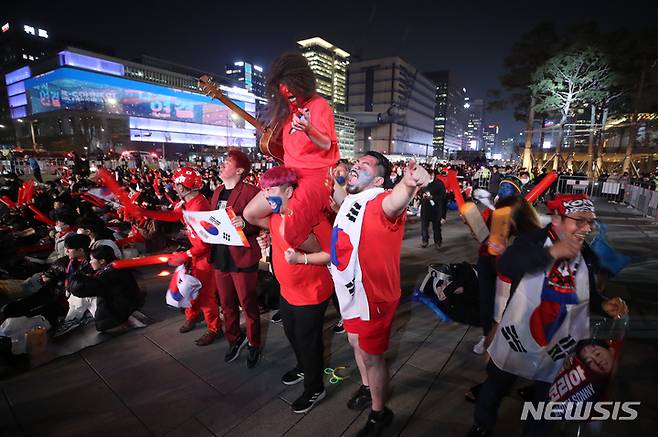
58, 228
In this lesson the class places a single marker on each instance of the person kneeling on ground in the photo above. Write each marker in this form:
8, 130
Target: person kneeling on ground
118, 295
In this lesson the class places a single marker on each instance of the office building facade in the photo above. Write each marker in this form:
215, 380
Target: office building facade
450, 116
473, 132
393, 104
490, 138
85, 101
329, 63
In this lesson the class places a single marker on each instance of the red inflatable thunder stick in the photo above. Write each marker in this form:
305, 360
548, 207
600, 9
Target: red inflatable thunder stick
146, 260
468, 210
122, 196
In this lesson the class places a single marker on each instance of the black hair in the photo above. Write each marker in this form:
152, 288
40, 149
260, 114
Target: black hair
293, 70
384, 167
104, 252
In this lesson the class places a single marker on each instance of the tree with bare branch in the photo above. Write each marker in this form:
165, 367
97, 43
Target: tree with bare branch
570, 80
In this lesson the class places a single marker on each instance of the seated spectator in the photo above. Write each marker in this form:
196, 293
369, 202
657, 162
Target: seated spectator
117, 294
64, 225
100, 235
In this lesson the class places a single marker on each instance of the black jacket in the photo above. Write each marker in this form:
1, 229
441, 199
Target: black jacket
437, 192
528, 255
117, 292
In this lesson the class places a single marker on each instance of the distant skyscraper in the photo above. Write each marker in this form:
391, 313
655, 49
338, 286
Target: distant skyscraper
329, 63
449, 113
20, 44
250, 76
473, 133
490, 137
346, 133
508, 148
393, 105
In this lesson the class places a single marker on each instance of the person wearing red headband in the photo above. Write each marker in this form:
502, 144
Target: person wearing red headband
309, 142
187, 183
553, 274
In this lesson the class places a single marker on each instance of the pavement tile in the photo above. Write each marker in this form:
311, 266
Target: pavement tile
66, 398
158, 389
190, 428
275, 418
227, 412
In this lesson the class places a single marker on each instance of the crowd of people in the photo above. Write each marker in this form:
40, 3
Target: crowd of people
331, 228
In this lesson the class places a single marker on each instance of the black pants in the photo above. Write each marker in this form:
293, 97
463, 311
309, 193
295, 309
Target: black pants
433, 217
487, 284
303, 327
493, 391
334, 300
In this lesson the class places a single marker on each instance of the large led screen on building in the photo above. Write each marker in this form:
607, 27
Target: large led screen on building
68, 88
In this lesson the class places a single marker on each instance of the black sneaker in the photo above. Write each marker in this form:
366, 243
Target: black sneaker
292, 377
376, 423
305, 403
339, 328
276, 318
235, 348
67, 326
253, 357
360, 399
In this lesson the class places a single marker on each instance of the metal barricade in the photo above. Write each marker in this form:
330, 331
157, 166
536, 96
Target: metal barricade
574, 185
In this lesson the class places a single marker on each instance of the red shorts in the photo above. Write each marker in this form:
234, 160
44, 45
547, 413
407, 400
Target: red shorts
374, 334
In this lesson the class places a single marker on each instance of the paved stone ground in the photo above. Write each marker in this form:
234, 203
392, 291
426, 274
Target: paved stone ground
156, 382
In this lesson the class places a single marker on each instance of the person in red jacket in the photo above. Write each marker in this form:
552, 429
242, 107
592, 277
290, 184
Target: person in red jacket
236, 267
188, 182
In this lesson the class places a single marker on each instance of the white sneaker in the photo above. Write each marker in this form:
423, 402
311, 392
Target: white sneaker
479, 346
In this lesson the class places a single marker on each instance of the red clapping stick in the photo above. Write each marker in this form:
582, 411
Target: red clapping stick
542, 186
7, 201
41, 216
145, 260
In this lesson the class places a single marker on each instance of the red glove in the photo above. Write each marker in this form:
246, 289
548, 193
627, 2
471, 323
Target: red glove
178, 259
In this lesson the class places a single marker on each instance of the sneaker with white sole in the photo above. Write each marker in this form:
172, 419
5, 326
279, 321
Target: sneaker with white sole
292, 377
479, 346
304, 403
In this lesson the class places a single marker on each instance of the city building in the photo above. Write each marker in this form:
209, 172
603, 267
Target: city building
329, 63
449, 115
20, 43
249, 75
490, 138
393, 104
346, 133
508, 149
474, 120
84, 101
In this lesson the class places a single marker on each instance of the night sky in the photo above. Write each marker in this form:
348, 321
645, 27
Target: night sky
469, 37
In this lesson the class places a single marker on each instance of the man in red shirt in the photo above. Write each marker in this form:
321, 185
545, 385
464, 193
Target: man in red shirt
306, 287
236, 267
365, 266
309, 142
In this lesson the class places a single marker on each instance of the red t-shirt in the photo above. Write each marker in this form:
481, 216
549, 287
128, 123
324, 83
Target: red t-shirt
301, 284
300, 152
379, 252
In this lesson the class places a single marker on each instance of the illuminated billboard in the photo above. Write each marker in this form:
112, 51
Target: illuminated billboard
68, 88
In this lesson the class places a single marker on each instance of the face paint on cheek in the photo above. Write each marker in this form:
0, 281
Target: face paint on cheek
341, 180
275, 203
